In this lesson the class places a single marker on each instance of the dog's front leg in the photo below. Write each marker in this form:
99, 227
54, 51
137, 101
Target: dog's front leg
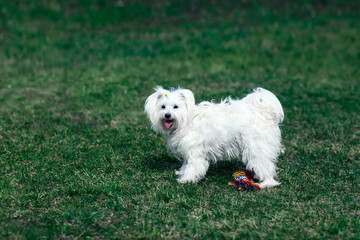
180, 172
193, 170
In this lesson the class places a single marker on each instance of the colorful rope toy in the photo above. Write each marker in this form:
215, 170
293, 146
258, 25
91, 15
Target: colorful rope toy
243, 181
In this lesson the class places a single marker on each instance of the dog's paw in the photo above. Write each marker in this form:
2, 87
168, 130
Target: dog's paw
269, 183
179, 172
183, 180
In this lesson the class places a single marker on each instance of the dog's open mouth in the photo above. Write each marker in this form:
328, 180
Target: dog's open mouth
169, 123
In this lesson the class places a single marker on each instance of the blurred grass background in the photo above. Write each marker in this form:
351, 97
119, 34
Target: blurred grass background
78, 158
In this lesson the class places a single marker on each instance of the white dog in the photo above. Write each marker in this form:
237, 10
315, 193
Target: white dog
199, 134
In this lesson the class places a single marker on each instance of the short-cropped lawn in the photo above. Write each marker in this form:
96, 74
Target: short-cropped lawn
79, 160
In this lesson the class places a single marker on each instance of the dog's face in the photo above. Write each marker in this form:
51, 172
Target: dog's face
169, 110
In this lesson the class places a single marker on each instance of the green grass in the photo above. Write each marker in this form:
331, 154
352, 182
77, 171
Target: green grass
78, 158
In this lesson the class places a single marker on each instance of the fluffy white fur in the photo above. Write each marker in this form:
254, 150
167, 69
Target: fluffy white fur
199, 134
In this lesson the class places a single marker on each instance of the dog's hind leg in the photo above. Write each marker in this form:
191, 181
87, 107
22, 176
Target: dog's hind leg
263, 167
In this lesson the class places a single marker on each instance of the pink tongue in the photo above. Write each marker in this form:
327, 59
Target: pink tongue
168, 124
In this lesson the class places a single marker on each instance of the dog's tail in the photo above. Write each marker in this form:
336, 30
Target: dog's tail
267, 104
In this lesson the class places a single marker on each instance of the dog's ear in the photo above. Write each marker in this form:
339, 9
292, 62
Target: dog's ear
187, 96
150, 103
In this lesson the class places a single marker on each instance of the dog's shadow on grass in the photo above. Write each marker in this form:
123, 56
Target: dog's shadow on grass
165, 163
162, 163
224, 168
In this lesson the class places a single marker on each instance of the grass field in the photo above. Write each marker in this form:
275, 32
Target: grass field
78, 158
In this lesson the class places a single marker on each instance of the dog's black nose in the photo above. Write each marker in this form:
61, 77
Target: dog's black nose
168, 115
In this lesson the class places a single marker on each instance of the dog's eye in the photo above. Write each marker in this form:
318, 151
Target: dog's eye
163, 107
175, 106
